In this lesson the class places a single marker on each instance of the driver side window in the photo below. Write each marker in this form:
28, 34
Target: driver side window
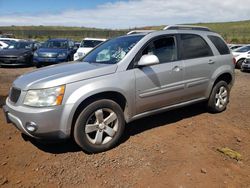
163, 48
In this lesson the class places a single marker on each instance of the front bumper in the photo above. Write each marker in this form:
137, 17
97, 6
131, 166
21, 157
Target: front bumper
48, 61
15, 62
245, 66
47, 120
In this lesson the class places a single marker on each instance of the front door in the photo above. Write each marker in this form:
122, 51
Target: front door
162, 84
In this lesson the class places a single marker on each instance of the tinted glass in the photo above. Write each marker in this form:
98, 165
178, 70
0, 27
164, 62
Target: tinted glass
164, 49
112, 51
243, 49
193, 46
21, 45
219, 44
56, 44
90, 43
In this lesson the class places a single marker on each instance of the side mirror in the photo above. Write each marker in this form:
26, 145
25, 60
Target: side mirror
147, 60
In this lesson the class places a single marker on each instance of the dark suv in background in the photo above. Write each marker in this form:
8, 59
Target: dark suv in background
54, 51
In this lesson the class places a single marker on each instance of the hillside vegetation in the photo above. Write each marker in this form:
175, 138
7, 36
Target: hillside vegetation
233, 32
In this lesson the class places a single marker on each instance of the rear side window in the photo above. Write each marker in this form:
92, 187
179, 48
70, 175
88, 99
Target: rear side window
194, 46
219, 44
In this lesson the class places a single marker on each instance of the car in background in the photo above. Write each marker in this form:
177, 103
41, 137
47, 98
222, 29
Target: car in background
235, 46
246, 64
7, 35
54, 51
17, 54
240, 54
3, 45
86, 46
5, 39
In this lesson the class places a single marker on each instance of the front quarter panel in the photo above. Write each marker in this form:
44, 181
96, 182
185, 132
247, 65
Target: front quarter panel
76, 93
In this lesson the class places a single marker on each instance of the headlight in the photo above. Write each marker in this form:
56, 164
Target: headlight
45, 97
35, 54
61, 55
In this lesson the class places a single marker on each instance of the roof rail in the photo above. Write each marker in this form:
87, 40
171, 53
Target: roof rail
186, 27
139, 31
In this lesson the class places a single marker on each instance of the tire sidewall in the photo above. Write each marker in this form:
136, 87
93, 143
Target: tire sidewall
79, 129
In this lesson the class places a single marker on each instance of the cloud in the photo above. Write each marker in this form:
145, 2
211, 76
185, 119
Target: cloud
134, 13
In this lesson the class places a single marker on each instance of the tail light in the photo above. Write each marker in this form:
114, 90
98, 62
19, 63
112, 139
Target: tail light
234, 61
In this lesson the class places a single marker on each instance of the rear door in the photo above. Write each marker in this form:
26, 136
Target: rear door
162, 84
199, 64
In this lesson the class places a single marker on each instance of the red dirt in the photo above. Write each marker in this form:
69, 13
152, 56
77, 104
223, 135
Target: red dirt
172, 149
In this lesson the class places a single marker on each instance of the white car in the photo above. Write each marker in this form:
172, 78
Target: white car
86, 46
3, 45
240, 54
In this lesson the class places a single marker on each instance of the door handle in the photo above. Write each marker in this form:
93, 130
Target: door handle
211, 61
177, 68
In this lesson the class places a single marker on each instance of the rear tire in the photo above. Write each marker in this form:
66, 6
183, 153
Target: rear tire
100, 126
219, 97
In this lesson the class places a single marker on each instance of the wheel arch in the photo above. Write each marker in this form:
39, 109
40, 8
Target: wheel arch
119, 98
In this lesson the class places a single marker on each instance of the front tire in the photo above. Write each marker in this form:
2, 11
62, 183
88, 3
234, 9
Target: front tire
239, 63
100, 126
219, 97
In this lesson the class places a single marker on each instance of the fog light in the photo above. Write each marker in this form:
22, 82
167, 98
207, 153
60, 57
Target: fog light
31, 126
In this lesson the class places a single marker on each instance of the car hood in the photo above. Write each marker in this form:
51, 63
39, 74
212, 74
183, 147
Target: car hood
13, 52
51, 50
62, 74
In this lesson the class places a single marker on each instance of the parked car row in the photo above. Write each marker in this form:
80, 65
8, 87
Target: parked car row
16, 52
241, 54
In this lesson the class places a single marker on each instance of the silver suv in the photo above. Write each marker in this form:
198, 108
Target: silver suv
123, 79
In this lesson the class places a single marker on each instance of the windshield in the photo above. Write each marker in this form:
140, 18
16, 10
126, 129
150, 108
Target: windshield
20, 45
90, 43
243, 49
112, 51
55, 44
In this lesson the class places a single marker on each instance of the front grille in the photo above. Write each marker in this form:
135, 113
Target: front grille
47, 55
14, 94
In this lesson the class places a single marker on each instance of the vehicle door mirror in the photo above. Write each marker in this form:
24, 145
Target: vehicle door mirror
147, 60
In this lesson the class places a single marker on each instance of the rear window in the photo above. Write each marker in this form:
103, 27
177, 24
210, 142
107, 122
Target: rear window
219, 44
194, 46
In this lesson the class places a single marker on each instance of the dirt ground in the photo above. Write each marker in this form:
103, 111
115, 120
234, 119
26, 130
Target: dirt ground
172, 149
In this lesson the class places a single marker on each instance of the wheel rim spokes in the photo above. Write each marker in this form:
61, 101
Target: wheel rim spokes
221, 97
99, 116
101, 126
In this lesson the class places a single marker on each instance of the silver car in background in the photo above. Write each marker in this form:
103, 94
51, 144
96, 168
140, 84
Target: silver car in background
123, 79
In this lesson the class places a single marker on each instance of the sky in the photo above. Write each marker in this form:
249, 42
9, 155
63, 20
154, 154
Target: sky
120, 14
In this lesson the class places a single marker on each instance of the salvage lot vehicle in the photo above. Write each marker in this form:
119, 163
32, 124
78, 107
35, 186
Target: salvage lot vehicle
123, 79
241, 54
17, 54
246, 64
54, 51
3, 45
86, 46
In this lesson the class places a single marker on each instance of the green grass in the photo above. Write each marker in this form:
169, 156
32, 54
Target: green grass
232, 32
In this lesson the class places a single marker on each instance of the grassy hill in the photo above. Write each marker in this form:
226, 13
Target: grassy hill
233, 32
